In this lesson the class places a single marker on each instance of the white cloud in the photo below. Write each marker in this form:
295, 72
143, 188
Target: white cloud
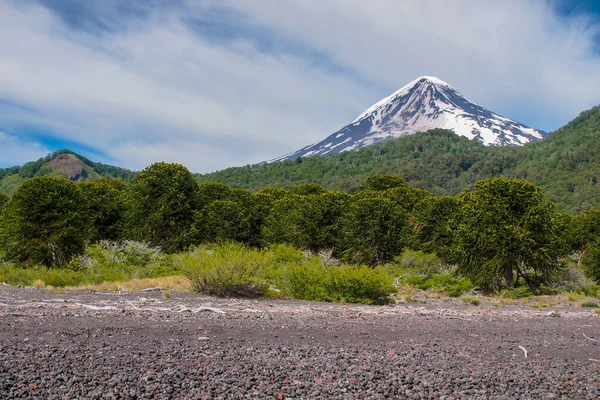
514, 56
13, 151
157, 90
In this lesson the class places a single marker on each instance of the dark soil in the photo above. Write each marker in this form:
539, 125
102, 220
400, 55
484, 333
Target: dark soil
85, 345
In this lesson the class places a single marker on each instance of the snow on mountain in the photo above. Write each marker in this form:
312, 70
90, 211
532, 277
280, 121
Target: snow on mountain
425, 103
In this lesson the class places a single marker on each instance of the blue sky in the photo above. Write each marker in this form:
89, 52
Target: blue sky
219, 83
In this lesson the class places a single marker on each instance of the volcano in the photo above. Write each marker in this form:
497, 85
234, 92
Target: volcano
425, 103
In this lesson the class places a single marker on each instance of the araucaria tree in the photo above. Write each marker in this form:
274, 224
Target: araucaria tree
3, 200
164, 199
107, 201
374, 230
45, 222
506, 232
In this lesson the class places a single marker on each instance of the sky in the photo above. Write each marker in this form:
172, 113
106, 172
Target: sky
218, 83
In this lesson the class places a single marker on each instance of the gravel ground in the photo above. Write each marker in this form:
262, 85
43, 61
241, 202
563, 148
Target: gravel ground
85, 345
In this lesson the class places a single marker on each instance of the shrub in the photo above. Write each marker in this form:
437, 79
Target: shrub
359, 284
516, 293
313, 280
590, 304
454, 287
128, 260
420, 262
226, 270
468, 299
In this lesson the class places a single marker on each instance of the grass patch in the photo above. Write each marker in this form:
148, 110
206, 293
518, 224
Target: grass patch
590, 304
573, 296
469, 299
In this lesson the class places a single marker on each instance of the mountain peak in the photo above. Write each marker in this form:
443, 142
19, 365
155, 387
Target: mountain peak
423, 104
428, 80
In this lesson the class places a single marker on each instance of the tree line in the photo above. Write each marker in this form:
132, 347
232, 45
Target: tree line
501, 232
566, 164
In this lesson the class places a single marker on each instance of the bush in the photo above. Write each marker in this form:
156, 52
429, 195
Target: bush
128, 260
103, 262
420, 262
454, 287
226, 270
428, 271
234, 270
468, 299
516, 293
313, 280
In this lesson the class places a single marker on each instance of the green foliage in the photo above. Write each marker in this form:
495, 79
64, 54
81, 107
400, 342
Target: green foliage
428, 272
468, 299
164, 200
591, 260
307, 189
434, 221
102, 262
565, 165
3, 200
12, 178
227, 270
213, 191
107, 201
45, 222
233, 270
507, 231
590, 304
125, 260
419, 262
407, 197
315, 281
222, 221
374, 231
307, 221
516, 293
449, 284
383, 182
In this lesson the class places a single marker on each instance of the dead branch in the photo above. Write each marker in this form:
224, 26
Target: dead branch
524, 351
587, 337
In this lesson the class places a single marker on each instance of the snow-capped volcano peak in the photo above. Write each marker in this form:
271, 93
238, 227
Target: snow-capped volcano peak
430, 80
423, 104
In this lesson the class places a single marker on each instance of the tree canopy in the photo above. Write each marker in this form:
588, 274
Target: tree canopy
507, 231
45, 222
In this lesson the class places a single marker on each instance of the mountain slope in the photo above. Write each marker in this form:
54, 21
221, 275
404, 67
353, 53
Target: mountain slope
62, 163
566, 164
424, 104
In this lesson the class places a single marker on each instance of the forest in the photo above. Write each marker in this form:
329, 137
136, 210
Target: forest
501, 236
566, 164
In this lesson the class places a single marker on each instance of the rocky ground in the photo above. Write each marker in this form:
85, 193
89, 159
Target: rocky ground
85, 345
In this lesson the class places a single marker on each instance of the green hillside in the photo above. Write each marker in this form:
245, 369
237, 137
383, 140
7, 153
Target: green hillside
63, 163
566, 164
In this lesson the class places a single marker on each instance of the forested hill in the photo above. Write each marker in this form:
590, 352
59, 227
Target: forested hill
566, 164
62, 163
